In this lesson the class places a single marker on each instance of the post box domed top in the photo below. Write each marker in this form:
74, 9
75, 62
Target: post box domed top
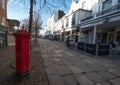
22, 33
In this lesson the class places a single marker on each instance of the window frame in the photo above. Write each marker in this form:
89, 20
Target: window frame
106, 4
73, 19
3, 20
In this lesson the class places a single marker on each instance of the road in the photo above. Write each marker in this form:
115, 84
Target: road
68, 66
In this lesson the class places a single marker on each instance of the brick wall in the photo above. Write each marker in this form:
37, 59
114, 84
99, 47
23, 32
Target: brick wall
3, 12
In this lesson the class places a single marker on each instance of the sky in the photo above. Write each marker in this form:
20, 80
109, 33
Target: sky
19, 10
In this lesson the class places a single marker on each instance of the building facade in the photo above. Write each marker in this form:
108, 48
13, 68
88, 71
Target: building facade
93, 25
102, 27
13, 25
50, 27
3, 23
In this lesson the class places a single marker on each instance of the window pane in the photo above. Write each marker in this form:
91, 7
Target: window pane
107, 4
118, 1
73, 19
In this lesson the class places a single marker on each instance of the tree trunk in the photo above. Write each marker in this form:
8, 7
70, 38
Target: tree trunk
36, 35
31, 15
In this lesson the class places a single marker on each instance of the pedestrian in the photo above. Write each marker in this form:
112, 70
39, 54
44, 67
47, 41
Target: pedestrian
68, 42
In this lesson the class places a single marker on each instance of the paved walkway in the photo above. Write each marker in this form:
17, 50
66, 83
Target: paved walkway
6, 55
66, 66
37, 75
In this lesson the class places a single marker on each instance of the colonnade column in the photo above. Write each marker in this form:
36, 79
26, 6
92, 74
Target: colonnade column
94, 34
79, 38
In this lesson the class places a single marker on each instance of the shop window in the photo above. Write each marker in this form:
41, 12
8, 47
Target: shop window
107, 4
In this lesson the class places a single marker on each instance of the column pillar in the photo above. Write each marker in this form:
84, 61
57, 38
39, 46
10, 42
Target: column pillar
94, 34
79, 38
115, 35
60, 36
64, 31
71, 34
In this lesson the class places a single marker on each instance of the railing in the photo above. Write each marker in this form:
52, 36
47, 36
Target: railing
94, 49
91, 48
103, 49
109, 10
87, 18
81, 46
106, 11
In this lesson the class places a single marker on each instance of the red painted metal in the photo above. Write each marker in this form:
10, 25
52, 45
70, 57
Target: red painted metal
22, 44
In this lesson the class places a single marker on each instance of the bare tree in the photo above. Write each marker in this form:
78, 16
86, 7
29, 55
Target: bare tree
37, 24
31, 15
25, 23
43, 5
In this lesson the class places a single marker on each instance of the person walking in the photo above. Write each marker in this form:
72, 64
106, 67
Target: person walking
68, 42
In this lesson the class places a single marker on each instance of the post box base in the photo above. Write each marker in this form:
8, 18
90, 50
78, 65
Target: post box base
22, 74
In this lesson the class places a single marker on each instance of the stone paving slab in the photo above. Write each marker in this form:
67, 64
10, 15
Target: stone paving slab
84, 80
115, 81
106, 83
6, 54
49, 63
85, 68
55, 79
69, 80
107, 75
98, 84
96, 67
51, 70
117, 73
63, 70
66, 66
95, 77
75, 69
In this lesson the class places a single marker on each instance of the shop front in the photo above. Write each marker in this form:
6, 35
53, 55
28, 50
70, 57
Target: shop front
3, 36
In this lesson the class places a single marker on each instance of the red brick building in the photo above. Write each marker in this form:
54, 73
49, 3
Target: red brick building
3, 23
3, 12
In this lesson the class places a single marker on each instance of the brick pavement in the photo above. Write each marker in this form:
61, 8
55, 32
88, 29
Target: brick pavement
6, 55
67, 66
37, 75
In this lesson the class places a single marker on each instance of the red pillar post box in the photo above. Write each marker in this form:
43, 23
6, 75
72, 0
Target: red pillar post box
22, 44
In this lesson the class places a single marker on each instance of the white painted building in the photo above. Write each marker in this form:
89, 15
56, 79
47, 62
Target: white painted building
91, 22
102, 26
50, 27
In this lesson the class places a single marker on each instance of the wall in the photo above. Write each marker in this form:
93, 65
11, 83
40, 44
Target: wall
3, 13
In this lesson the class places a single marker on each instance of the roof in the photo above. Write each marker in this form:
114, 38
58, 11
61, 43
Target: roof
13, 22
